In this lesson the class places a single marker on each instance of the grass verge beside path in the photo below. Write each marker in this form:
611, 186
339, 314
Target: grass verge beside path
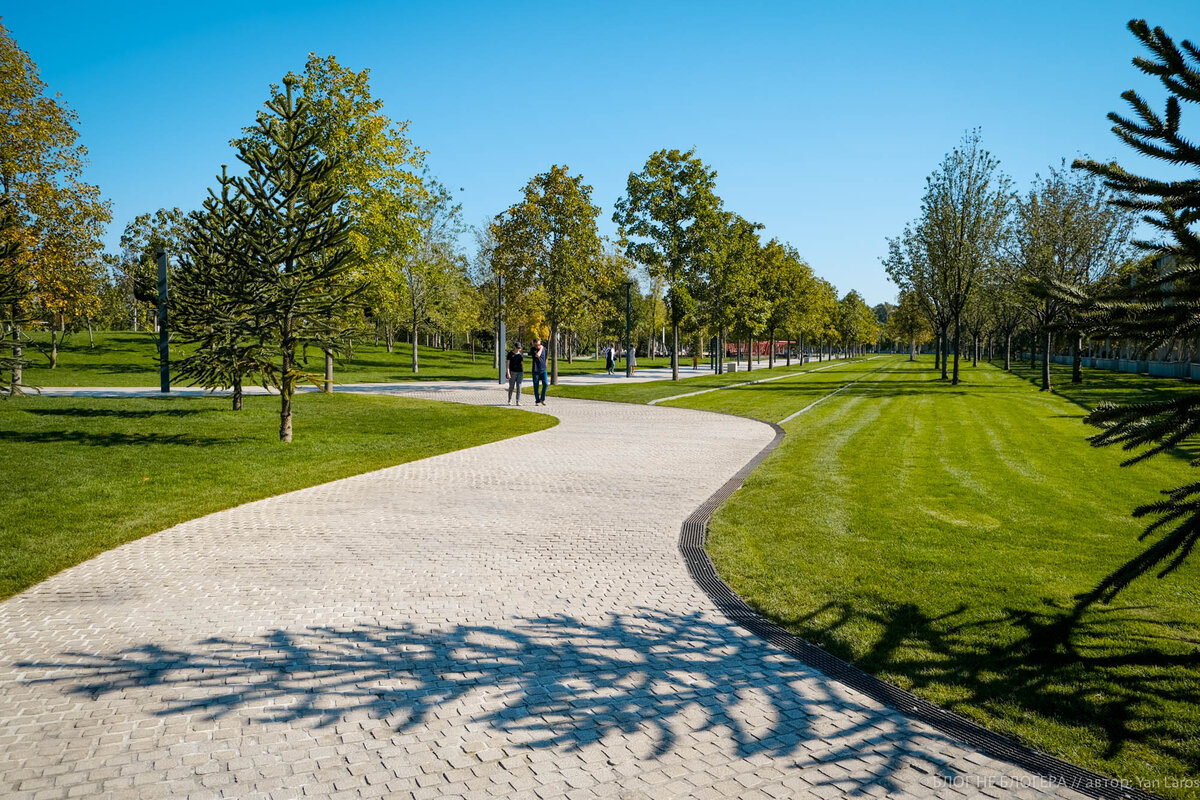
131, 359
84, 475
939, 537
657, 390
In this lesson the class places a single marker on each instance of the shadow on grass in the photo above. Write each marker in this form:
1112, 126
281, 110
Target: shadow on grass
564, 683
1079, 666
113, 439
114, 412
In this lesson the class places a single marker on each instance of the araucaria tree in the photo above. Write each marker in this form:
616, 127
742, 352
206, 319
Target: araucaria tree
553, 244
963, 214
297, 241
1164, 309
215, 299
658, 216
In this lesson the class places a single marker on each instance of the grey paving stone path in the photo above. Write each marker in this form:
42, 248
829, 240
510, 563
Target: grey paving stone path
512, 620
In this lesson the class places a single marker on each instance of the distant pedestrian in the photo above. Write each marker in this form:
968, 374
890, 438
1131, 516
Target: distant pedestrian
631, 359
514, 371
538, 355
610, 359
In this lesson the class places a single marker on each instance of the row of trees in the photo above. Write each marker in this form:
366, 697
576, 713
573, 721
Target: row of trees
331, 229
710, 269
1060, 260
983, 261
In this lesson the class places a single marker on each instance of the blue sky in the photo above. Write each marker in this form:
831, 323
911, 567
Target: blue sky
821, 119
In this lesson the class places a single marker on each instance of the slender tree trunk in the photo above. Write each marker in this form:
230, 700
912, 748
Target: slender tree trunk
1033, 346
912, 349
287, 384
946, 352
415, 347
957, 348
1077, 359
1008, 351
472, 348
328, 372
750, 354
1046, 360
771, 352
18, 351
53, 345
674, 348
975, 352
788, 352
237, 393
91, 334
553, 354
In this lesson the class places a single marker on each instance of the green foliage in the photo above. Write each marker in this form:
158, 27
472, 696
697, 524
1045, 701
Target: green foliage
658, 217
60, 217
215, 299
296, 240
550, 244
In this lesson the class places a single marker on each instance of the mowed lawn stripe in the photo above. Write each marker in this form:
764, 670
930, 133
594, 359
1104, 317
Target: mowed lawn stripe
939, 536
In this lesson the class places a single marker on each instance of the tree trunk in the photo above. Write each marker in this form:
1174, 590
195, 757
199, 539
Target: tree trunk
472, 348
937, 351
1008, 352
957, 348
946, 352
1077, 359
1033, 346
553, 354
771, 353
91, 334
17, 371
328, 372
415, 346
674, 349
975, 351
1046, 361
287, 385
237, 393
912, 349
750, 354
53, 346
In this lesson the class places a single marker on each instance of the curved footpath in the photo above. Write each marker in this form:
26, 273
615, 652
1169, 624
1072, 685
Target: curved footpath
512, 620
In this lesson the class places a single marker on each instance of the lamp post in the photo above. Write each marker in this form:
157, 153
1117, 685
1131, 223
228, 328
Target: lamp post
164, 355
500, 332
628, 326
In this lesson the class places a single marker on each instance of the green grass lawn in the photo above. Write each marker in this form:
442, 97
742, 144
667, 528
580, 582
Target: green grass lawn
131, 359
940, 537
84, 475
656, 390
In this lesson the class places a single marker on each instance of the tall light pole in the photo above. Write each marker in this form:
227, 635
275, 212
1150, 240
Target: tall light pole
628, 327
500, 332
164, 355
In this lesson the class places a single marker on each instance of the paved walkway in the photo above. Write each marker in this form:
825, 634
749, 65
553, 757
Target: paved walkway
512, 620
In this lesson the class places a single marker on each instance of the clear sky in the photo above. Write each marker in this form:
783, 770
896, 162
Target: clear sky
821, 119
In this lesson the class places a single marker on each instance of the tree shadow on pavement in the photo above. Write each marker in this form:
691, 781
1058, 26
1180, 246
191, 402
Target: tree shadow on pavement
550, 682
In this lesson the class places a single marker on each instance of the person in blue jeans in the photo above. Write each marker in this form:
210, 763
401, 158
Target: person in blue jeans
538, 357
515, 371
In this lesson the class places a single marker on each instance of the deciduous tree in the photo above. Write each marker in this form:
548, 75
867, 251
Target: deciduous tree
658, 216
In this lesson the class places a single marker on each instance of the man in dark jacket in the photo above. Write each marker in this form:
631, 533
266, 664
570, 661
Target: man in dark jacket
538, 355
515, 371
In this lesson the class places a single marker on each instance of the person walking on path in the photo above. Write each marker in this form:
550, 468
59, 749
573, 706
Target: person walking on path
538, 355
610, 359
514, 371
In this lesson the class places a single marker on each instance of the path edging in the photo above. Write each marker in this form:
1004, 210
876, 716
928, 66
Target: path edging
692, 537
